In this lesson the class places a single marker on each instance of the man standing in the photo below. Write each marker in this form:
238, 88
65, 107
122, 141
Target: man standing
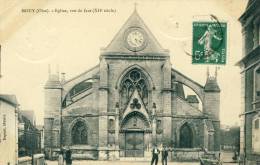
164, 155
155, 152
68, 157
60, 158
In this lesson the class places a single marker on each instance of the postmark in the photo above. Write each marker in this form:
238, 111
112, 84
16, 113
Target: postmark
209, 43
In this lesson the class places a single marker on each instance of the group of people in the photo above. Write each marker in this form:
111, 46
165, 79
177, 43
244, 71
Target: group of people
156, 152
65, 156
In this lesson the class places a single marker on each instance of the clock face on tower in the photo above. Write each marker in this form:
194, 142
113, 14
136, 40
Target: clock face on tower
135, 39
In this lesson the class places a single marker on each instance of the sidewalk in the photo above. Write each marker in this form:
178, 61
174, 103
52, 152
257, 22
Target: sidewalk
84, 162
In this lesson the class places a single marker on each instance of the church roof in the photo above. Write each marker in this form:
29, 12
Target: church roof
252, 8
11, 99
118, 46
192, 99
250, 2
211, 85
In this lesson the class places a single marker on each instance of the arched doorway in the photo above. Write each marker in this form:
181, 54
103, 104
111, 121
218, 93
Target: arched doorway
79, 133
134, 132
186, 136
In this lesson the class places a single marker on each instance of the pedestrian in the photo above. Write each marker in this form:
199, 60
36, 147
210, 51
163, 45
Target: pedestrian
60, 159
155, 153
164, 155
68, 157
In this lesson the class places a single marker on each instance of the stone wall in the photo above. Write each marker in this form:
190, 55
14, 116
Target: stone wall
38, 159
92, 126
25, 160
196, 125
186, 154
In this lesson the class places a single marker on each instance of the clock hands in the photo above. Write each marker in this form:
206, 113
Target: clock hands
135, 40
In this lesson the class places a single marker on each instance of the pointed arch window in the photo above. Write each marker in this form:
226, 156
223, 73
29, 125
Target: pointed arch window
186, 136
79, 133
134, 80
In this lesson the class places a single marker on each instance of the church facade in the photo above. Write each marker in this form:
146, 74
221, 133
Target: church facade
131, 100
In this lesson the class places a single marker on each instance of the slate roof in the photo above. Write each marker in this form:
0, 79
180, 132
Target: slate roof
11, 99
192, 99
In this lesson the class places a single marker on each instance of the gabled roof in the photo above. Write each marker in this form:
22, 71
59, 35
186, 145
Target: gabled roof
11, 99
118, 45
29, 114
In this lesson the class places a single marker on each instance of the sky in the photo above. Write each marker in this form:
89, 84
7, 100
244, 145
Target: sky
71, 43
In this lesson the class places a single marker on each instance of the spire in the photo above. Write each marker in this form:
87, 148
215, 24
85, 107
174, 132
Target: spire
49, 70
207, 72
135, 9
63, 79
58, 70
216, 73
53, 79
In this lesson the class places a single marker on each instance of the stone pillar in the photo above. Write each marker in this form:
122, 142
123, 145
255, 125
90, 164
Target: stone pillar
167, 109
242, 117
52, 114
256, 31
103, 115
247, 34
174, 98
117, 131
154, 140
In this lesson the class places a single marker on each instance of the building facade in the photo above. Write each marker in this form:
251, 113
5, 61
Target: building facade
8, 129
29, 137
131, 100
250, 76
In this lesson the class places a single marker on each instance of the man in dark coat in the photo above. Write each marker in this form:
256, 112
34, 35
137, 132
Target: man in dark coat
164, 155
155, 153
68, 157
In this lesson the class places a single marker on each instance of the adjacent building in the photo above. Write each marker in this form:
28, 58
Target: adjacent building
29, 114
132, 99
250, 77
8, 129
29, 139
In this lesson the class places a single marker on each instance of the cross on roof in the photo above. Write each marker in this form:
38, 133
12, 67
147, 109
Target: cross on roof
135, 5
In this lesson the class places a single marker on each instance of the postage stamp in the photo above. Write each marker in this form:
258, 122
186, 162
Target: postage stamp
209, 43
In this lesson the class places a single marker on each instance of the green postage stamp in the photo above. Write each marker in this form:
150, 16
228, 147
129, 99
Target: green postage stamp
209, 44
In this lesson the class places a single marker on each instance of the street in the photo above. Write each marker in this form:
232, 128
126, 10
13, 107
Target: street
84, 162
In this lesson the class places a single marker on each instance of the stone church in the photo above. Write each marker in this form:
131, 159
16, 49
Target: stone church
132, 99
